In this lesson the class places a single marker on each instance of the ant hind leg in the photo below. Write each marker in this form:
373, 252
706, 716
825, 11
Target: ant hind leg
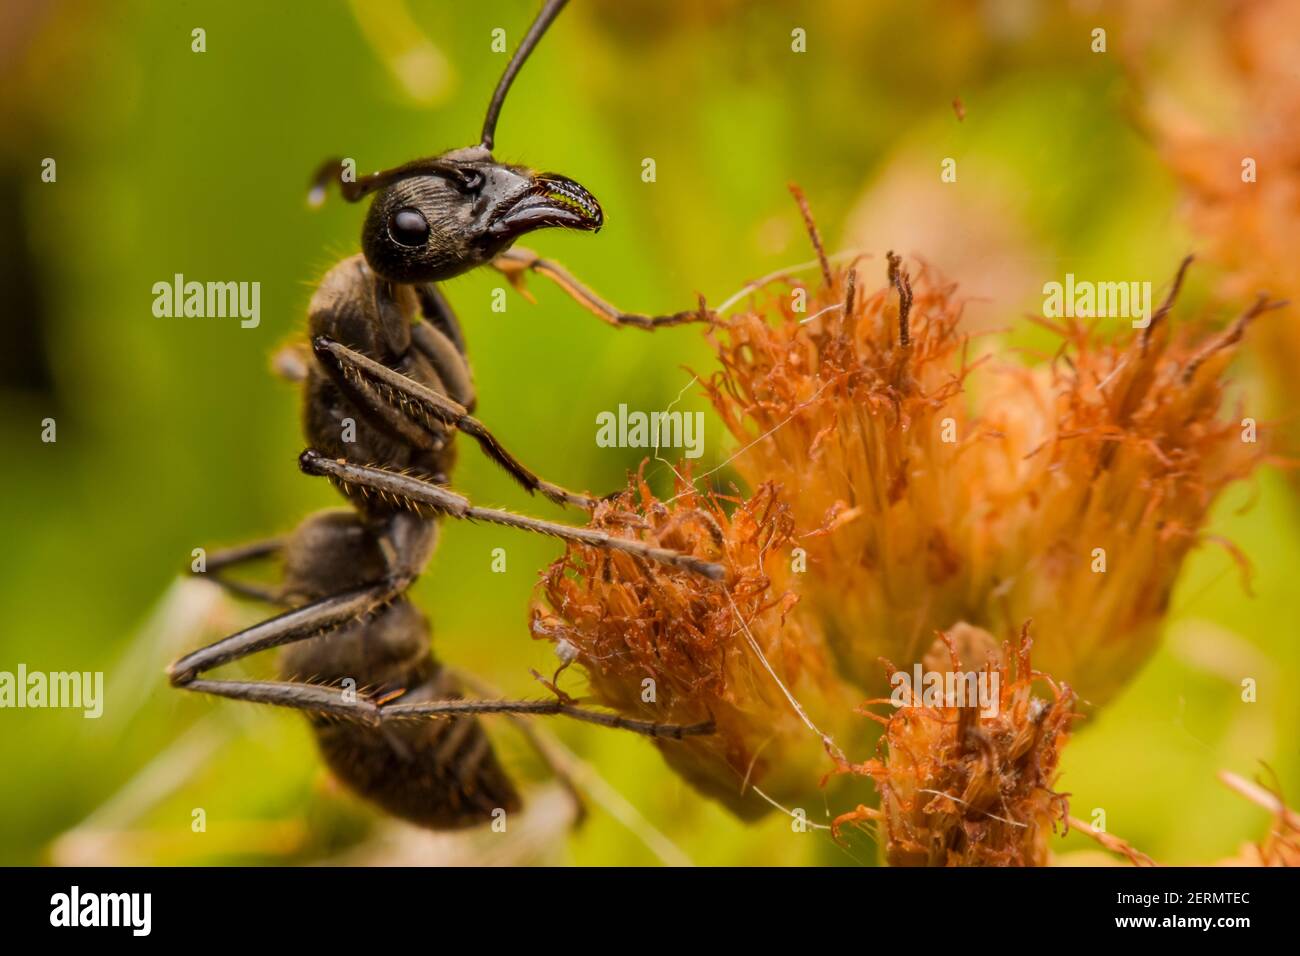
323, 699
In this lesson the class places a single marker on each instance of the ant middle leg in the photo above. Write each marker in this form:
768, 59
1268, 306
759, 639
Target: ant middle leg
454, 708
350, 579
424, 497
219, 561
311, 620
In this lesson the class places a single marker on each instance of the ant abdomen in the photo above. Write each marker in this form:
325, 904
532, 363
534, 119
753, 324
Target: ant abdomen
439, 773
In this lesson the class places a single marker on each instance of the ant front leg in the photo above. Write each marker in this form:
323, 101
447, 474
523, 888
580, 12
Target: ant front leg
513, 263
427, 498
392, 395
439, 337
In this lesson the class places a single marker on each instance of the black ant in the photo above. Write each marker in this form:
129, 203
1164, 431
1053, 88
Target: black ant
387, 390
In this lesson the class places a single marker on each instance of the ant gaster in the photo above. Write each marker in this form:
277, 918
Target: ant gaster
389, 358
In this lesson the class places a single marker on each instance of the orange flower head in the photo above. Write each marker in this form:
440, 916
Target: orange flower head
962, 784
666, 645
931, 488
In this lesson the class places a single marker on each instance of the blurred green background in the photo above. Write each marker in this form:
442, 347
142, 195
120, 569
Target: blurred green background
173, 434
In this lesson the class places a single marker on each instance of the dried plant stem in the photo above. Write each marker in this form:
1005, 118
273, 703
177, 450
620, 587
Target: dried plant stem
1113, 843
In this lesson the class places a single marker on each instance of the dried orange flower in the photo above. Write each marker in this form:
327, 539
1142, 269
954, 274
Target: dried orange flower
1235, 149
669, 646
900, 489
1134, 451
963, 786
845, 400
930, 489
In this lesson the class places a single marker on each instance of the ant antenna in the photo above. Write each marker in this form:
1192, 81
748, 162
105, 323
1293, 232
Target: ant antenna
549, 12
331, 171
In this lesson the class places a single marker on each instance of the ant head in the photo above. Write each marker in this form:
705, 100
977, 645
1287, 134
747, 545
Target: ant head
436, 218
448, 215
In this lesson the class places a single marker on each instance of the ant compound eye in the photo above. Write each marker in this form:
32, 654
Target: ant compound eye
408, 227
